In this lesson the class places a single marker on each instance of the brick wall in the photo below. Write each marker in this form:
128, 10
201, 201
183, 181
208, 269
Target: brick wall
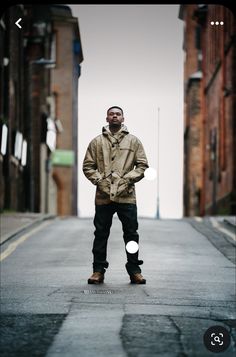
62, 86
209, 111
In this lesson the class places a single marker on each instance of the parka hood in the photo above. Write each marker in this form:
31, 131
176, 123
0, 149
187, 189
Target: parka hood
106, 131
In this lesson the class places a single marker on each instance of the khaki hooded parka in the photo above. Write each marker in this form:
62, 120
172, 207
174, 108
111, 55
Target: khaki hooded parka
114, 163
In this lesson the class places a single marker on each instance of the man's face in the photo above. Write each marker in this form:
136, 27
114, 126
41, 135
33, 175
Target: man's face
115, 117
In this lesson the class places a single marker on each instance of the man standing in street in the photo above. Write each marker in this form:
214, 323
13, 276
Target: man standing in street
114, 162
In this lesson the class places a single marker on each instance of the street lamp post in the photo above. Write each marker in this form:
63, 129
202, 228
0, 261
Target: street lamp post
47, 170
47, 63
158, 156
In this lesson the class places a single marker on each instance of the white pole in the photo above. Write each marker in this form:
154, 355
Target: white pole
158, 174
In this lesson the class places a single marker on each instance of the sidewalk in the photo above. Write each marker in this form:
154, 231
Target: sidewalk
13, 223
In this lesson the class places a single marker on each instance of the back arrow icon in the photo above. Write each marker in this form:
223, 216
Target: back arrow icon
17, 23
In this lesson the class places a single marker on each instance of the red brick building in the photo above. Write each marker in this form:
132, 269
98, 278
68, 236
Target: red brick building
64, 86
13, 126
39, 72
210, 108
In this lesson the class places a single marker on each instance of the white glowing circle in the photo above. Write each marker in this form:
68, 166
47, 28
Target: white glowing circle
132, 247
212, 22
217, 23
222, 22
150, 174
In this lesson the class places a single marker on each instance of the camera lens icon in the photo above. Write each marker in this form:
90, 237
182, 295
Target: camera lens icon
216, 339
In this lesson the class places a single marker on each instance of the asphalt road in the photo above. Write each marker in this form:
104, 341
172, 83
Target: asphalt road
48, 309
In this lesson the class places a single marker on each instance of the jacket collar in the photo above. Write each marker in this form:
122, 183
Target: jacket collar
123, 129
115, 139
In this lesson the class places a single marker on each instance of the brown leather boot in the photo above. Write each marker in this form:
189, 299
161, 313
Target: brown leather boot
96, 278
137, 278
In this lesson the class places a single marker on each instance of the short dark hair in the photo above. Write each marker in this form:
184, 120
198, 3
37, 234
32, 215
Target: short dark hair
115, 106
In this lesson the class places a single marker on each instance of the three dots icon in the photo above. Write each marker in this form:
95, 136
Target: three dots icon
217, 23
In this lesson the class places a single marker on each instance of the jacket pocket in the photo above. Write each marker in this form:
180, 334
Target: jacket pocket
104, 186
128, 149
124, 189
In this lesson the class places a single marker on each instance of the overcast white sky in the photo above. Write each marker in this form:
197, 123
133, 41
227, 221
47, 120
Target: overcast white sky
133, 58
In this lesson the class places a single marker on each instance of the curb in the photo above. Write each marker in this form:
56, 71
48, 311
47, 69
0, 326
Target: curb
24, 228
230, 222
220, 241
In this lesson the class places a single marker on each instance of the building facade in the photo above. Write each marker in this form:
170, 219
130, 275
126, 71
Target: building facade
210, 108
37, 79
13, 126
64, 87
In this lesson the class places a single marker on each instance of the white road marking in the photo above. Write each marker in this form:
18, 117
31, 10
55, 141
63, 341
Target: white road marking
198, 219
12, 246
223, 230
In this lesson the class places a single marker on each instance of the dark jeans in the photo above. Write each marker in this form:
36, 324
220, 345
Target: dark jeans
127, 214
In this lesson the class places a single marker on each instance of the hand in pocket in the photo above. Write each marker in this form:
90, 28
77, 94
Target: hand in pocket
104, 186
122, 187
